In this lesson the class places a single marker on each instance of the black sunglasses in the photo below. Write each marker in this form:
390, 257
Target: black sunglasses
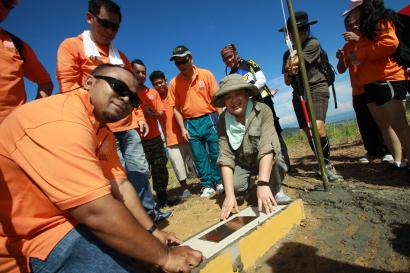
8, 4
106, 23
121, 89
183, 61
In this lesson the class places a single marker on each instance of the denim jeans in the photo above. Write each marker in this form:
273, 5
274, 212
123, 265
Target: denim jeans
81, 252
130, 151
132, 157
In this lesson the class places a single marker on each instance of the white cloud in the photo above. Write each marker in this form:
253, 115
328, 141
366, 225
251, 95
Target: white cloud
284, 108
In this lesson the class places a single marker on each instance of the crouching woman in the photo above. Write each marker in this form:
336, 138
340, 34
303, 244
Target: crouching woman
249, 145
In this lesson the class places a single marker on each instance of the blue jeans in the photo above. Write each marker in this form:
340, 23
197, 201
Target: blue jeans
81, 252
130, 152
132, 157
205, 148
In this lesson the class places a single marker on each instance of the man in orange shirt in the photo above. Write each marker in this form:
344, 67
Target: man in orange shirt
190, 96
152, 142
179, 152
18, 60
65, 202
76, 58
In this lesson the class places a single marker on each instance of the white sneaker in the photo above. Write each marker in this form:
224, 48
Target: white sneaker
219, 188
363, 160
207, 192
281, 197
388, 158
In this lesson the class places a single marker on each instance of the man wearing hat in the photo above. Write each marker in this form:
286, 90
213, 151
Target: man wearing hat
317, 82
249, 146
190, 94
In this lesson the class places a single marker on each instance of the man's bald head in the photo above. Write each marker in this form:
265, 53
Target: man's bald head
107, 85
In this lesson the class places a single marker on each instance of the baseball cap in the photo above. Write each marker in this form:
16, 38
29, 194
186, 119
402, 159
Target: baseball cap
353, 4
180, 51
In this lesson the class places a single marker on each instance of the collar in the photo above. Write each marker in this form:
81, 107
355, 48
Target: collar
257, 108
194, 76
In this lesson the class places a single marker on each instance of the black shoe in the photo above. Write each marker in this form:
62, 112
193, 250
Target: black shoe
163, 200
395, 167
172, 201
158, 216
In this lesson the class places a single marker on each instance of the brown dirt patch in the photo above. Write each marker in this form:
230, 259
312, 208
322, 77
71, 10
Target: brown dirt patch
360, 225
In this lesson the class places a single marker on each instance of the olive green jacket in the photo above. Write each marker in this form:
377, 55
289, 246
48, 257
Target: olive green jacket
259, 140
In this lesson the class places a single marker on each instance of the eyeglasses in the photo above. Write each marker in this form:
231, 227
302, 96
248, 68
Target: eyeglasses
121, 89
183, 61
8, 4
106, 23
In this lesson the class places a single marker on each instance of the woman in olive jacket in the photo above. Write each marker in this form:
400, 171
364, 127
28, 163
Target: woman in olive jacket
249, 145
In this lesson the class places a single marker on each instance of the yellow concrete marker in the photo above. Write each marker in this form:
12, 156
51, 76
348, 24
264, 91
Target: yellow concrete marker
240, 249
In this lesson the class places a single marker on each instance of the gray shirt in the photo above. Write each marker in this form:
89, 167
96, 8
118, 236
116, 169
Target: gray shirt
317, 81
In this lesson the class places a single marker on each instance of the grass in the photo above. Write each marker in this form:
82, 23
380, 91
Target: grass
345, 131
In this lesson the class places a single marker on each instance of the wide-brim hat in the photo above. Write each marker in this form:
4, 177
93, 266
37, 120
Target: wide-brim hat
353, 4
180, 51
302, 20
231, 83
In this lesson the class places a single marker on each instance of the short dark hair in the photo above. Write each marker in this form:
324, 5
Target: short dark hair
94, 7
138, 61
157, 74
102, 67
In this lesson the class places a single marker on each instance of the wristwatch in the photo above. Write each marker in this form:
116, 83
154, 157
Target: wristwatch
262, 183
152, 228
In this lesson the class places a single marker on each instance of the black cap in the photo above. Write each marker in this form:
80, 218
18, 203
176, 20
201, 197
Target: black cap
302, 20
180, 51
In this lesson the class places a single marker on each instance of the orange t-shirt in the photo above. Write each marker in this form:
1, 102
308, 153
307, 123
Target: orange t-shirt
12, 73
169, 124
357, 89
193, 97
377, 61
151, 100
73, 68
53, 156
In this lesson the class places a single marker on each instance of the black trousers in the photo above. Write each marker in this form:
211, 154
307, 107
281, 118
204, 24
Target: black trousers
370, 132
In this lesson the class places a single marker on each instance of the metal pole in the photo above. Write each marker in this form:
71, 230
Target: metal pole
302, 69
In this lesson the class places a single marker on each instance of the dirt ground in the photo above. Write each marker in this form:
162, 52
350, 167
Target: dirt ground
361, 225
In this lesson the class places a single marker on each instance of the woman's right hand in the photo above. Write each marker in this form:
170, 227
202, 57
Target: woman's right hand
265, 199
229, 204
340, 54
351, 36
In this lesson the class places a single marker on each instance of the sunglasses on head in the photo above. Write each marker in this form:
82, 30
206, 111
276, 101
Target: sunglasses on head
183, 61
106, 23
121, 89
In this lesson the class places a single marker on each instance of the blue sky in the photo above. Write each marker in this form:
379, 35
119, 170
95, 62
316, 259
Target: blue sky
151, 29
